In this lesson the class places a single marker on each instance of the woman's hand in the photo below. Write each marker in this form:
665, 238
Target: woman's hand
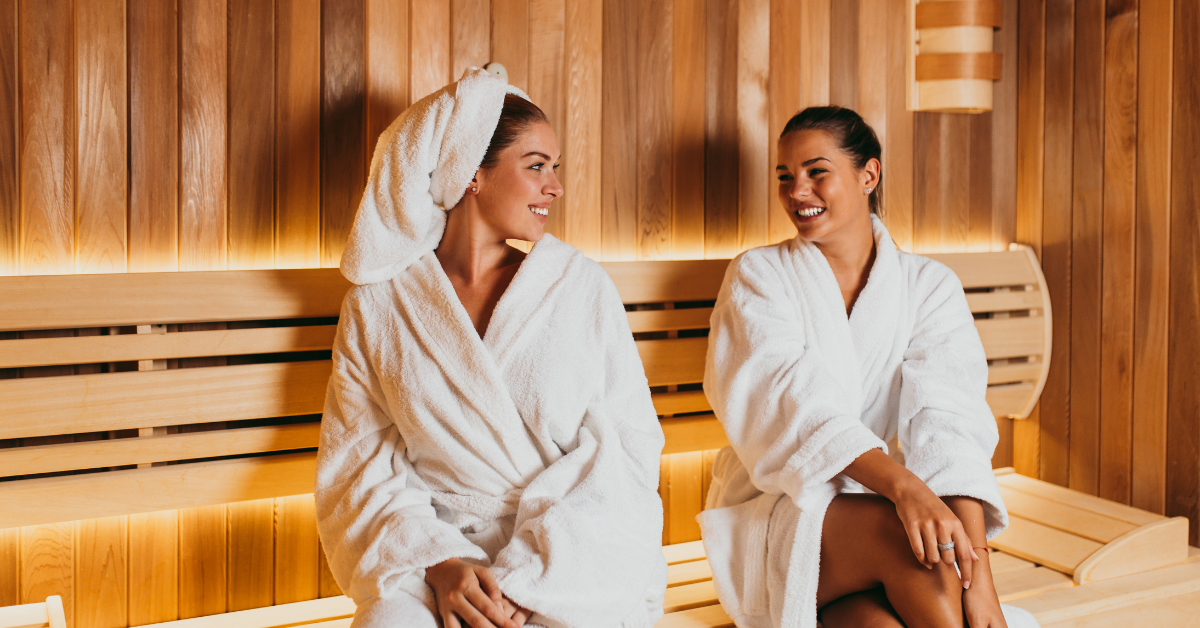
469, 592
515, 611
929, 522
981, 606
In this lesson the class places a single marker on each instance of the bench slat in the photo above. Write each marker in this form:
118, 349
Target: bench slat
1015, 372
126, 451
94, 495
1061, 551
1089, 525
292, 614
673, 361
1013, 300
1077, 499
45, 406
703, 617
683, 552
1012, 585
65, 301
1008, 399
668, 320
688, 573
667, 281
990, 270
1012, 337
686, 596
693, 433
681, 402
190, 344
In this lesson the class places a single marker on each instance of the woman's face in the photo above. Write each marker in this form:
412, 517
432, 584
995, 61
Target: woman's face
819, 187
514, 195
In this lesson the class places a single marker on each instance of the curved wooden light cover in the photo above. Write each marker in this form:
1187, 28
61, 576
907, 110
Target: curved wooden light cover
951, 65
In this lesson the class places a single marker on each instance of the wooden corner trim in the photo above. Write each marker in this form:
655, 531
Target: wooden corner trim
952, 66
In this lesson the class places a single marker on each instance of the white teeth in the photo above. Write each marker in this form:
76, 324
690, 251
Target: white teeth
541, 211
810, 212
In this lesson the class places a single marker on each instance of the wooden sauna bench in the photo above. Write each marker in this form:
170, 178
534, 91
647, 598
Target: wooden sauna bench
257, 343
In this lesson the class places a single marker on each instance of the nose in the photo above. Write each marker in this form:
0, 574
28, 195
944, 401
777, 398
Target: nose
553, 188
800, 190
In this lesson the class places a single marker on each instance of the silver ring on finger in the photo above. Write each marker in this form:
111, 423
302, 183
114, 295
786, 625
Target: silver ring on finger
945, 547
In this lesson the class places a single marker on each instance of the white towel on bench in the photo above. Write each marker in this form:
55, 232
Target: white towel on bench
802, 391
534, 450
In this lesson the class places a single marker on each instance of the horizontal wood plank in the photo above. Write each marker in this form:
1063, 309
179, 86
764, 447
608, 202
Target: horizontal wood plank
1089, 525
1012, 585
686, 596
990, 270
1010, 301
1007, 400
1014, 372
667, 281
1002, 563
98, 454
667, 320
686, 573
683, 552
93, 495
673, 361
1078, 499
1044, 545
693, 433
703, 617
1012, 337
194, 344
293, 614
681, 402
45, 406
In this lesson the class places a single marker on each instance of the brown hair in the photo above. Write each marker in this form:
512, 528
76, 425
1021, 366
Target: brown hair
851, 133
517, 115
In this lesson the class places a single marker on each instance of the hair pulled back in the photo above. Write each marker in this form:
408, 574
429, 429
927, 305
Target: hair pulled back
517, 115
852, 134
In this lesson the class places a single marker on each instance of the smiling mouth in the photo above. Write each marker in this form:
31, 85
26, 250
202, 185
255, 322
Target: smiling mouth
541, 211
810, 212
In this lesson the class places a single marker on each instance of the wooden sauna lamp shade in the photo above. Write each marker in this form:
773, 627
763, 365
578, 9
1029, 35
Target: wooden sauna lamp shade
950, 62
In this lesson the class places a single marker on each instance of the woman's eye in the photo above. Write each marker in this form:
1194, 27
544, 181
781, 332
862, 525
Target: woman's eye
537, 166
785, 177
816, 171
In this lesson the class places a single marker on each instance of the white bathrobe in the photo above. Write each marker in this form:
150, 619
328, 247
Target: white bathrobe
534, 450
802, 391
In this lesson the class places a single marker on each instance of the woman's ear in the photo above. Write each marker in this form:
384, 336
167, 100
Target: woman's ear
870, 174
473, 187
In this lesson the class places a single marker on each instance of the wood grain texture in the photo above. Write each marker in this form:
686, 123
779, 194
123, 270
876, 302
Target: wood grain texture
843, 53
471, 37
203, 126
430, 47
251, 554
153, 567
298, 134
47, 565
328, 586
897, 139
1087, 251
941, 213
1120, 179
101, 574
510, 41
251, 134
102, 174
547, 81
684, 496
297, 571
386, 67
154, 135
202, 561
10, 567
655, 158
582, 138
1004, 129
1057, 238
814, 52
343, 155
980, 236
722, 166
1183, 397
1152, 272
10, 153
753, 59
47, 137
687, 133
618, 188
783, 102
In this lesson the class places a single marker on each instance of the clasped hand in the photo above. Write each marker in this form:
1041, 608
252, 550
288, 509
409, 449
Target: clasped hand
468, 595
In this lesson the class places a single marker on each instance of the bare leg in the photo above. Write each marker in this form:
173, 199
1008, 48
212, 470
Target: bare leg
864, 546
869, 609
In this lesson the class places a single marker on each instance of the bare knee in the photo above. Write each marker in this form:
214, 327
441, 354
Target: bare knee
869, 609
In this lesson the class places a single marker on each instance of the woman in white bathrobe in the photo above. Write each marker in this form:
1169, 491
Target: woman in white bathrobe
822, 349
489, 450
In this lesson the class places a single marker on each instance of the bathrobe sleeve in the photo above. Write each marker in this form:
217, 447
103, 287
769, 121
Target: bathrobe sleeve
785, 415
946, 429
375, 516
587, 545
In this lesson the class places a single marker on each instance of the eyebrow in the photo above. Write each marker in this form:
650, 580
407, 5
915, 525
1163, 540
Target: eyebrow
807, 163
542, 155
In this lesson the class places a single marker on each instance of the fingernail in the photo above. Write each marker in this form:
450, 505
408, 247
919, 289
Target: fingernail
967, 585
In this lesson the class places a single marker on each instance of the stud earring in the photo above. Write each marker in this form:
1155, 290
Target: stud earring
474, 190
869, 191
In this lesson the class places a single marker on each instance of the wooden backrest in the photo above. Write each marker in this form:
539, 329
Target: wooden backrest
41, 615
186, 389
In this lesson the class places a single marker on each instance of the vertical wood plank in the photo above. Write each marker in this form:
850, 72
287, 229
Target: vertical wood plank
10, 567
297, 571
153, 567
654, 155
618, 196
10, 117
941, 215
843, 53
251, 554
328, 586
1183, 396
898, 133
547, 85
687, 129
1055, 402
100, 573
1003, 455
430, 69
153, 136
202, 132
1120, 177
251, 134
510, 39
102, 177
386, 66
721, 157
783, 84
1153, 256
47, 137
710, 458
298, 134
1004, 130
683, 496
979, 182
47, 565
471, 39
814, 52
343, 156
202, 561
872, 64
753, 59
1087, 250
583, 139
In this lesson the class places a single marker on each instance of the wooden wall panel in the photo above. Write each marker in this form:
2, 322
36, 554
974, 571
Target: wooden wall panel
10, 116
153, 567
203, 561
102, 168
897, 137
754, 175
47, 137
153, 136
430, 69
297, 571
510, 21
298, 134
343, 155
547, 38
471, 36
10, 567
101, 574
721, 158
251, 554
47, 565
655, 162
203, 131
386, 66
783, 102
581, 140
618, 199
251, 134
